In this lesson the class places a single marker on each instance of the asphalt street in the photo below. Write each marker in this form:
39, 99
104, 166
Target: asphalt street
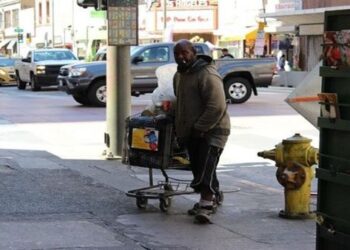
58, 191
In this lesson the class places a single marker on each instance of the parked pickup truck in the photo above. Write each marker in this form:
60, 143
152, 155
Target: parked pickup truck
41, 67
86, 82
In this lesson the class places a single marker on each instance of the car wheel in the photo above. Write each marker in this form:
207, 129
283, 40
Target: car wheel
82, 99
20, 83
34, 85
97, 93
237, 89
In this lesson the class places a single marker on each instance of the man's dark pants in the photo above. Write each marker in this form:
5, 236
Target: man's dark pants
204, 159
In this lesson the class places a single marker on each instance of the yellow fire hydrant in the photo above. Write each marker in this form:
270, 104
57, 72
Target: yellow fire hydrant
294, 158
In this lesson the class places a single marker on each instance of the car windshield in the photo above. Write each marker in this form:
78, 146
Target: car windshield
53, 55
134, 49
7, 62
101, 55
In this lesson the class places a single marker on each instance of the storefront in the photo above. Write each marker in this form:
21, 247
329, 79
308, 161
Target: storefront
191, 19
300, 31
248, 43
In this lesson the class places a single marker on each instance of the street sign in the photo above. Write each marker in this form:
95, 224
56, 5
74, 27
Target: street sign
18, 30
122, 18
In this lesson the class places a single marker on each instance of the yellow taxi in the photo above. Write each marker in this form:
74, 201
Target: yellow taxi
7, 72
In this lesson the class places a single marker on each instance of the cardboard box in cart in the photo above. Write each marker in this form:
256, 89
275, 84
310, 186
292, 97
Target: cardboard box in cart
150, 141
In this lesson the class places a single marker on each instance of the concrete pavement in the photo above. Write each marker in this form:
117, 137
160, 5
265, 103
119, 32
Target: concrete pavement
57, 192
52, 203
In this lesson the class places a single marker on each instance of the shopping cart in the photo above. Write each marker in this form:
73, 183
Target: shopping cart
150, 143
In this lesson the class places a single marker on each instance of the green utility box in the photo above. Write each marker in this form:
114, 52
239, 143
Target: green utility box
333, 201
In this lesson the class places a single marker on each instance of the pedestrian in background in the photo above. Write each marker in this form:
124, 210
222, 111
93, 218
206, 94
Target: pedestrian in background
202, 123
281, 63
225, 54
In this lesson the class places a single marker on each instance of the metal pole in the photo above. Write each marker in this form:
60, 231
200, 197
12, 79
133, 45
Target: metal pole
53, 23
164, 14
123, 93
87, 43
111, 103
18, 46
64, 37
264, 10
72, 30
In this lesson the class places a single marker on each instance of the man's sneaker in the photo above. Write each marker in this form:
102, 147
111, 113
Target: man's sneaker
196, 207
219, 198
194, 210
204, 214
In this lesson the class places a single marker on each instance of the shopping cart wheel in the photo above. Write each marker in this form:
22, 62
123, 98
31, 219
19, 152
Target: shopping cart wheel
141, 202
219, 198
164, 204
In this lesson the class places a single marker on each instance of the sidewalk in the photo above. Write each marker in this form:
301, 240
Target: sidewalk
53, 203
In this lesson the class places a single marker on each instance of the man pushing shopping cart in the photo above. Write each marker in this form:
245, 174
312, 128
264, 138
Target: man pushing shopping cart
202, 124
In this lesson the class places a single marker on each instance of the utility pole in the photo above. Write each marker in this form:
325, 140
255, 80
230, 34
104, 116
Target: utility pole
164, 14
264, 10
53, 22
122, 32
73, 29
112, 103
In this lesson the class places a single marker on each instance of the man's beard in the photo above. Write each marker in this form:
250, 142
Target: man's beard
183, 66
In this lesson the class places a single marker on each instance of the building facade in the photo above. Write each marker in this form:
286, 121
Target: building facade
62, 23
226, 23
239, 25
9, 22
299, 28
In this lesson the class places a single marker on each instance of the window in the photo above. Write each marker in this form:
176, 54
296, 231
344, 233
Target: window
29, 56
158, 54
6, 62
7, 19
199, 49
40, 11
48, 12
53, 55
102, 56
15, 22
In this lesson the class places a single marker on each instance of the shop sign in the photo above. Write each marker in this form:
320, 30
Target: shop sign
187, 20
187, 3
288, 5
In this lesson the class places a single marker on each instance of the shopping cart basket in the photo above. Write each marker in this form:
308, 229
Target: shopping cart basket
150, 143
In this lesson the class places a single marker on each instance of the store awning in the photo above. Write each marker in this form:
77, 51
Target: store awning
251, 35
304, 16
3, 43
11, 44
240, 35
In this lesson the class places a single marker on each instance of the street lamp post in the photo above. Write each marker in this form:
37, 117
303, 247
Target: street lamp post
68, 28
53, 22
164, 14
87, 39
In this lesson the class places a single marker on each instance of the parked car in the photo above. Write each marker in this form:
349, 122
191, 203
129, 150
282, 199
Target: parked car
7, 71
41, 67
86, 82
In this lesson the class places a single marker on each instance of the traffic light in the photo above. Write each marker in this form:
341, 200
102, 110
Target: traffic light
97, 4
29, 37
20, 37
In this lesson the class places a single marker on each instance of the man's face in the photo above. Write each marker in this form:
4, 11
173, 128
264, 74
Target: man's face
184, 55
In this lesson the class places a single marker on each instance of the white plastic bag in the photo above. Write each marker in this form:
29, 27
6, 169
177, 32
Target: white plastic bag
165, 90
